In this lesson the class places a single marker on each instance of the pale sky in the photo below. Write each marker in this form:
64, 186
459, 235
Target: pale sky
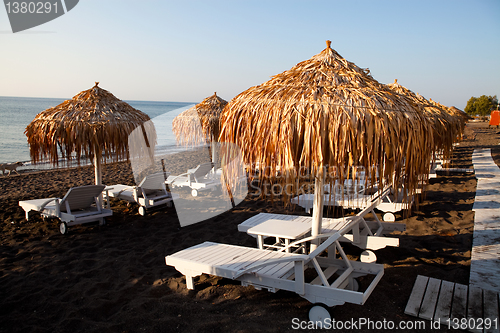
183, 51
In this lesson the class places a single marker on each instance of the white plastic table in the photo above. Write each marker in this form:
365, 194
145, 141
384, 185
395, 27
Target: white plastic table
280, 229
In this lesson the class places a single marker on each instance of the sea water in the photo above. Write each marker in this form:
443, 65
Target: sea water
17, 112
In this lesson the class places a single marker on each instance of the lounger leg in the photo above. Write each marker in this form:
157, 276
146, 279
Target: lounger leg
27, 215
299, 277
260, 242
355, 235
190, 282
332, 252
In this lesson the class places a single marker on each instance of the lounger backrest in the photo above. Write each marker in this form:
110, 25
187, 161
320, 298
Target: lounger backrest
202, 170
81, 197
155, 181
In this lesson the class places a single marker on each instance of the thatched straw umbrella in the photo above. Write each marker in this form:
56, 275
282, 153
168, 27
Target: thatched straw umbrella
94, 124
327, 115
464, 118
199, 124
458, 114
446, 127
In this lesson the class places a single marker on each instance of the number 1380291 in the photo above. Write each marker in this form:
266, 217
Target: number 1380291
472, 323
31, 7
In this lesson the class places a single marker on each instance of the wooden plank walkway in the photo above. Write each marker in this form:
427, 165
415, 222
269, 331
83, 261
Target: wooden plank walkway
453, 303
485, 257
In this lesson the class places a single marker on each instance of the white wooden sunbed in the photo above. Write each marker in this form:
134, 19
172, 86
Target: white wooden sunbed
198, 179
151, 192
79, 205
333, 285
354, 200
368, 234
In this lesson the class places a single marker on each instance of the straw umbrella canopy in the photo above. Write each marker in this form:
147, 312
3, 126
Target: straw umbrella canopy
327, 115
199, 124
445, 126
93, 124
458, 114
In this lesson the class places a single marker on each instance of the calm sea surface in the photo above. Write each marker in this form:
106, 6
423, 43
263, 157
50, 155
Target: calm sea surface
17, 112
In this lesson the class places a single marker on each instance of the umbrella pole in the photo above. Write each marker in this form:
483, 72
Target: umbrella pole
98, 177
317, 209
213, 154
97, 168
213, 146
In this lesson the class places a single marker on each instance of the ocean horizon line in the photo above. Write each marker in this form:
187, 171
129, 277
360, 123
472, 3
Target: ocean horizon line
125, 100
17, 112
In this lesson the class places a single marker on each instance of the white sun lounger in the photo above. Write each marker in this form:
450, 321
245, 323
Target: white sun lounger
350, 194
79, 205
198, 179
151, 192
306, 201
333, 285
393, 205
356, 201
367, 235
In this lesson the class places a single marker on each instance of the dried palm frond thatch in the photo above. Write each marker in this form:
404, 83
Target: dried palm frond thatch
199, 124
93, 124
464, 118
457, 113
327, 115
446, 127
326, 111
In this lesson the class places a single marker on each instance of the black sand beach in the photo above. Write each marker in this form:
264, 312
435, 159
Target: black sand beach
113, 278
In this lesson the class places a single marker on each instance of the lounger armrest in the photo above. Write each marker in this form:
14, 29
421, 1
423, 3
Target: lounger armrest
332, 237
248, 269
135, 193
58, 207
106, 196
98, 204
181, 175
42, 207
132, 188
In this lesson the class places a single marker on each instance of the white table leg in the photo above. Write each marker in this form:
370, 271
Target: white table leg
260, 242
190, 282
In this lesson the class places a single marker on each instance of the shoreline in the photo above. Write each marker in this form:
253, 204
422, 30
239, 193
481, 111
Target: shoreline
29, 168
